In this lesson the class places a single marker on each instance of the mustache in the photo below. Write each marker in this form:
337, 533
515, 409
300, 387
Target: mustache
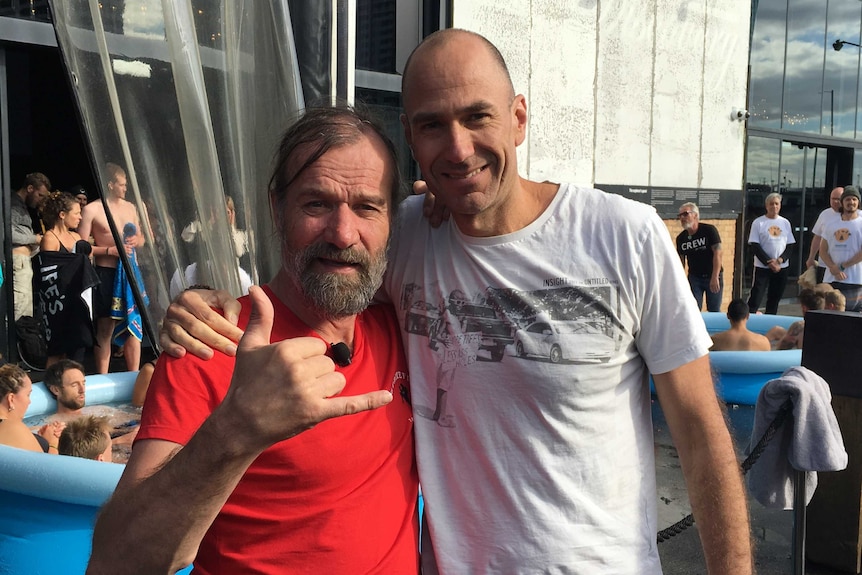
350, 256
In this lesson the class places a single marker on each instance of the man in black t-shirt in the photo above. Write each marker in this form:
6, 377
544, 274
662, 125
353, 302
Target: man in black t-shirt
699, 245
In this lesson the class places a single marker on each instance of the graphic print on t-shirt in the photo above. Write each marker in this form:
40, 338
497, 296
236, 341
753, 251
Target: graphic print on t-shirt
558, 324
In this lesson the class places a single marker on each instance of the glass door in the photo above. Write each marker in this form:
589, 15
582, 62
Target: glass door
803, 174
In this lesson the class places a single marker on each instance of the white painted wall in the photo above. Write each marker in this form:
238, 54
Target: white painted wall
628, 92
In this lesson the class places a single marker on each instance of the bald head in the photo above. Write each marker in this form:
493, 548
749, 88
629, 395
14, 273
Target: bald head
835, 198
452, 39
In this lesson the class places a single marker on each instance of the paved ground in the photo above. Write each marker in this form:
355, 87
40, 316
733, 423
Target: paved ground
772, 529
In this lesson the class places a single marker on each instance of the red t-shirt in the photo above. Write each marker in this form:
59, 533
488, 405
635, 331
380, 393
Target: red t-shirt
338, 498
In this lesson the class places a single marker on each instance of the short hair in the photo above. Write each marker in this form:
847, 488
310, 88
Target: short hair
55, 203
836, 300
12, 379
812, 299
440, 38
693, 207
737, 310
86, 436
772, 195
317, 131
37, 180
823, 288
54, 372
113, 171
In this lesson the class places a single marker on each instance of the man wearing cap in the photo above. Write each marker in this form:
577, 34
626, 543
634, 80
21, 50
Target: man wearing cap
700, 245
80, 194
831, 213
841, 250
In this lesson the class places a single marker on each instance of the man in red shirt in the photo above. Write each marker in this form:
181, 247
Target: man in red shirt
260, 473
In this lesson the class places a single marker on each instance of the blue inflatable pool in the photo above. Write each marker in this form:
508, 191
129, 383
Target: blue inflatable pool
739, 375
49, 502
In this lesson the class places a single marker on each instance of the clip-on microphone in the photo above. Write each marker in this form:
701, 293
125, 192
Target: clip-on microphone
341, 354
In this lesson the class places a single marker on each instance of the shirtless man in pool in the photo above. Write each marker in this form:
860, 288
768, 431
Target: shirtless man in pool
65, 380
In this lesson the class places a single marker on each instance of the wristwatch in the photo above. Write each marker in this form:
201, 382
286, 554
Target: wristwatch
841, 267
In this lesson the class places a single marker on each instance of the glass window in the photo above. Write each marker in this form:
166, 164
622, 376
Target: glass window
375, 35
841, 70
26, 9
387, 109
767, 69
803, 71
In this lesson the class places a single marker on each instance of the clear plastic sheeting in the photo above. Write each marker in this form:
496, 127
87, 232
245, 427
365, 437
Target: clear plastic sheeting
190, 99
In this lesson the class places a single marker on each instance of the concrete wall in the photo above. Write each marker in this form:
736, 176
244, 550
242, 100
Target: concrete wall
625, 92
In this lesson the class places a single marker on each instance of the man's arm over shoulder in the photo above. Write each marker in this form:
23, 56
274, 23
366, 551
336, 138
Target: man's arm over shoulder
712, 474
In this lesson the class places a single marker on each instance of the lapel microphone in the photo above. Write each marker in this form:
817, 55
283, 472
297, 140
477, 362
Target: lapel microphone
341, 354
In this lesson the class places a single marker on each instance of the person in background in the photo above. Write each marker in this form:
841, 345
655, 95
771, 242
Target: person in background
835, 301
739, 337
827, 215
66, 278
585, 502
87, 437
142, 383
792, 337
841, 250
65, 380
25, 240
771, 240
699, 245
80, 194
15, 390
106, 257
200, 270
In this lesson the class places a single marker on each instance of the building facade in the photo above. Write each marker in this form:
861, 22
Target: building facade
663, 101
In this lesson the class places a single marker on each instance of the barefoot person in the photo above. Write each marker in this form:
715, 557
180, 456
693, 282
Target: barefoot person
94, 221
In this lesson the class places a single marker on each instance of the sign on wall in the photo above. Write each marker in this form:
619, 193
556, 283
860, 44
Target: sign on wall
712, 203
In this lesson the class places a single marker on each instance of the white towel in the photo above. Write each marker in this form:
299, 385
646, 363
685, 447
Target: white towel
808, 441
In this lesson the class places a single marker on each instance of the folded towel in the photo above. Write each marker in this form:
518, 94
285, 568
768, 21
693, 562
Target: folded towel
810, 441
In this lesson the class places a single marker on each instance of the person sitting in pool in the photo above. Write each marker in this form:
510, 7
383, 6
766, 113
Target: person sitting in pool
142, 382
15, 389
87, 437
835, 301
65, 380
791, 338
739, 337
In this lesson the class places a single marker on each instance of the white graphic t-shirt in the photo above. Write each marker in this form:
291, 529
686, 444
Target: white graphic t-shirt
529, 356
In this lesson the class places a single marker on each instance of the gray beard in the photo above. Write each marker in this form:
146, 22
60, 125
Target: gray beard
334, 295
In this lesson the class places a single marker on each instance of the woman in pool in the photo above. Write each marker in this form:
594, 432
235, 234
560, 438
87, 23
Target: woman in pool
15, 389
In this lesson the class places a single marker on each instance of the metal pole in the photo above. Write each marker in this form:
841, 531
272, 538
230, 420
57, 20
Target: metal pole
799, 518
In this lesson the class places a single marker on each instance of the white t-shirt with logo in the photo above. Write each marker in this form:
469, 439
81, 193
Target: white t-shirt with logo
826, 216
844, 239
773, 235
